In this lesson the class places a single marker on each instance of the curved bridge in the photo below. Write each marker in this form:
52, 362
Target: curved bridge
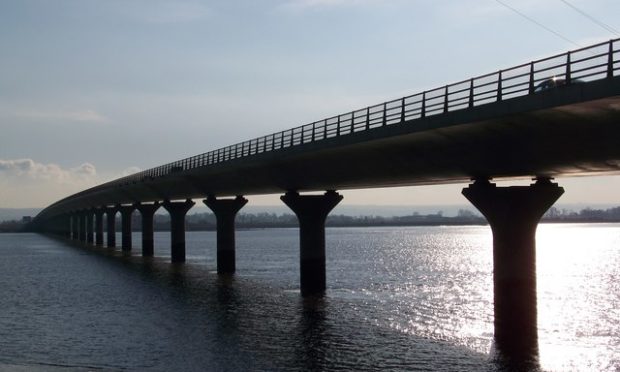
552, 117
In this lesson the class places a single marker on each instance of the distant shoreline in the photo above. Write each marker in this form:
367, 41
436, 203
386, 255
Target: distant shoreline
429, 222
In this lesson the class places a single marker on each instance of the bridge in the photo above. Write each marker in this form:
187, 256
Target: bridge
557, 116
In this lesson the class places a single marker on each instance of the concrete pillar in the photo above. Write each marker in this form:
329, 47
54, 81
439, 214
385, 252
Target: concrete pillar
99, 226
76, 226
311, 211
147, 211
71, 226
225, 211
126, 212
177, 211
513, 214
89, 226
84, 227
111, 225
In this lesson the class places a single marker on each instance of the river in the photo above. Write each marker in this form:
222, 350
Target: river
398, 298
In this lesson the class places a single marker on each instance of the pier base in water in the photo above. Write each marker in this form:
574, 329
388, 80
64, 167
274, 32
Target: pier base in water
311, 211
513, 213
177, 211
225, 211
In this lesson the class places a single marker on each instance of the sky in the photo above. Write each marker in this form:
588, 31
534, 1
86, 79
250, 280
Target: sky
91, 90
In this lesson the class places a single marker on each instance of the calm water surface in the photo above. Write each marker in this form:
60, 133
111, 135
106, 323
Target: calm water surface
414, 298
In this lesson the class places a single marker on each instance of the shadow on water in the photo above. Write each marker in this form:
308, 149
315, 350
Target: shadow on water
236, 323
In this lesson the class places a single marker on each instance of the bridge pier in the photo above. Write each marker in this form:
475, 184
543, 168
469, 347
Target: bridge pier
72, 232
111, 225
126, 212
225, 211
513, 214
177, 211
83, 226
147, 211
99, 226
311, 211
89, 227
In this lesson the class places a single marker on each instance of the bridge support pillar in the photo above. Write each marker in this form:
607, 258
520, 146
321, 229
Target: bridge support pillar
83, 226
513, 214
147, 211
89, 227
311, 211
99, 226
177, 211
111, 225
225, 211
126, 212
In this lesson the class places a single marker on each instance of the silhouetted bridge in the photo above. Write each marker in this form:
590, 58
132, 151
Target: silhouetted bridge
556, 116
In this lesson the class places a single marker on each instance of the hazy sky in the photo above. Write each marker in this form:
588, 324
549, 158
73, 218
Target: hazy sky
94, 89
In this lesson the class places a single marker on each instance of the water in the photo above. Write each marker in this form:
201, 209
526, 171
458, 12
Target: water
399, 298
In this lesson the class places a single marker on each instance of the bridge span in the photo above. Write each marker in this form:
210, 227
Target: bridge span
551, 117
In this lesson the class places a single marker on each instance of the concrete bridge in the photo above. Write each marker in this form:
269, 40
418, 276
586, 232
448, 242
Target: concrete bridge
557, 116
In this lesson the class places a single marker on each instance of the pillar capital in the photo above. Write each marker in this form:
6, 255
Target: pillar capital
147, 208
311, 206
179, 207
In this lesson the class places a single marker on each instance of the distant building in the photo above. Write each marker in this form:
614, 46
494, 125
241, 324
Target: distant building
26, 219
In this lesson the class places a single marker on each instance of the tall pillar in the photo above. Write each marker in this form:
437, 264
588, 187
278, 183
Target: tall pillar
71, 225
89, 226
513, 214
77, 231
84, 226
311, 211
177, 211
225, 211
147, 211
126, 212
111, 225
66, 225
99, 226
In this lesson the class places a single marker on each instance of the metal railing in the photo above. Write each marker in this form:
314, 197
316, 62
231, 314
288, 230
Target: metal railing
591, 63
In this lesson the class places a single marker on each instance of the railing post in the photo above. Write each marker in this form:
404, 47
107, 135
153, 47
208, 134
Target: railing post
338, 127
471, 92
313, 131
367, 117
531, 89
281, 140
499, 85
567, 75
384, 113
352, 121
264, 144
610, 60
445, 99
402, 110
423, 112
273, 142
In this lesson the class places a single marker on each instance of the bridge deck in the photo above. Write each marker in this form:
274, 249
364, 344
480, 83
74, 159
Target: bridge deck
447, 137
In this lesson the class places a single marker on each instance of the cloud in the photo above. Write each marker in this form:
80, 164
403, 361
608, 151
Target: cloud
29, 170
27, 183
300, 5
165, 11
80, 116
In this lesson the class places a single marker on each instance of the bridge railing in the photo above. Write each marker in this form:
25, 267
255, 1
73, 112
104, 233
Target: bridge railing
591, 63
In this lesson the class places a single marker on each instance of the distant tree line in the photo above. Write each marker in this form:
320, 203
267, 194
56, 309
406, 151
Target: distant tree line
206, 221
